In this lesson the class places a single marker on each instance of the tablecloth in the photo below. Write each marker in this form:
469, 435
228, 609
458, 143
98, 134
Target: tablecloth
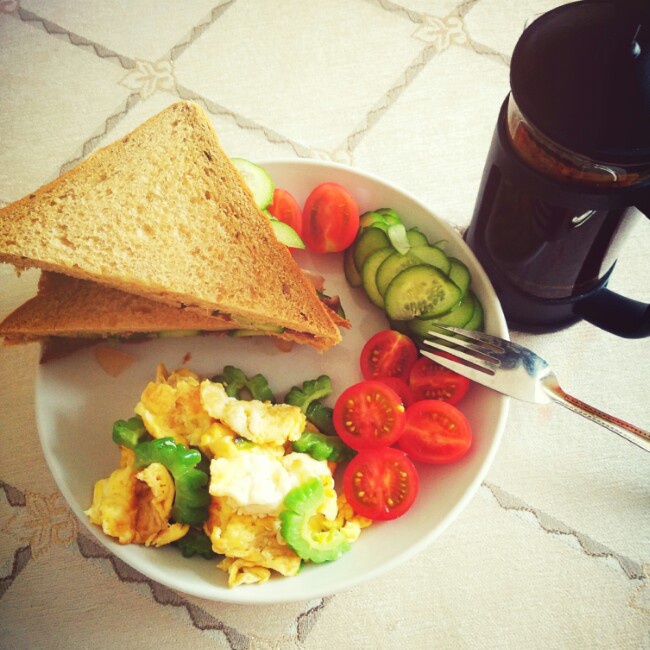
554, 549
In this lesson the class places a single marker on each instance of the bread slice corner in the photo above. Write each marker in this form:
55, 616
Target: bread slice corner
163, 214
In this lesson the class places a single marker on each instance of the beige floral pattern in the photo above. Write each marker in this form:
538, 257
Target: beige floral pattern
442, 32
147, 78
45, 522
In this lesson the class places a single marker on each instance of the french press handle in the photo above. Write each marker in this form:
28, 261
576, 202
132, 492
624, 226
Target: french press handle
615, 313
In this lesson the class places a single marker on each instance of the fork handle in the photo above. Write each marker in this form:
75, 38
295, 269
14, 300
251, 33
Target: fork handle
633, 434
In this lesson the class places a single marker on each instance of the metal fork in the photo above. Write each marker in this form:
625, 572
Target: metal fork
518, 372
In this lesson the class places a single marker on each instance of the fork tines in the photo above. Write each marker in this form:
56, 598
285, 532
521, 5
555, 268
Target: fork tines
473, 350
481, 341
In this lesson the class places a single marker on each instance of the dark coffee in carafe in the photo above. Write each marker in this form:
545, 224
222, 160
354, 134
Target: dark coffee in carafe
569, 168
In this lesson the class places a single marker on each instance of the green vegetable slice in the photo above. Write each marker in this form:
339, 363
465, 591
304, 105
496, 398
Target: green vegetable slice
129, 433
321, 447
369, 274
177, 334
369, 240
382, 218
350, 270
195, 542
257, 180
389, 215
398, 238
192, 498
332, 302
308, 541
459, 274
457, 317
421, 290
321, 417
285, 234
432, 255
416, 238
391, 267
311, 391
238, 385
243, 332
476, 322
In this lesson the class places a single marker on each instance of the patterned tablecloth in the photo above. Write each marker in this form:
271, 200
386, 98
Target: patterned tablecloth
554, 549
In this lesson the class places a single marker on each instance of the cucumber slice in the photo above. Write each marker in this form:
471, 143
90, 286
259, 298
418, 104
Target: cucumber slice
457, 317
372, 220
459, 274
379, 219
285, 234
416, 238
243, 333
397, 235
476, 322
393, 265
389, 215
352, 275
258, 181
176, 334
421, 290
432, 255
369, 274
370, 240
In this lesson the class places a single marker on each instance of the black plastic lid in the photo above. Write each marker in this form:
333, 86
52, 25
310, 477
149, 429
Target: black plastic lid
581, 75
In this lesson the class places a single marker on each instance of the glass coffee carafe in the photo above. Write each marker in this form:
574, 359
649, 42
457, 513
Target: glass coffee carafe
568, 170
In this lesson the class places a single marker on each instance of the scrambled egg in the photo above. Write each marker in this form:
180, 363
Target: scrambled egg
255, 540
135, 506
171, 407
256, 484
259, 422
252, 468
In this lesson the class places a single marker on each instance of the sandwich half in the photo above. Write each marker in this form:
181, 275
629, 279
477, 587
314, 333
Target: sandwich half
68, 314
163, 214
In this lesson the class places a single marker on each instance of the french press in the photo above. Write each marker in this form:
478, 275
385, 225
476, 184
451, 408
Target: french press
569, 168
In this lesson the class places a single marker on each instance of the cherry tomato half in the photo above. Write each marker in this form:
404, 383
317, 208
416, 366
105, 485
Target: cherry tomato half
285, 208
388, 354
430, 380
435, 432
330, 219
368, 415
401, 388
380, 484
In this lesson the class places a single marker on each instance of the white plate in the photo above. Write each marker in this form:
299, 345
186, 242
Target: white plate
77, 403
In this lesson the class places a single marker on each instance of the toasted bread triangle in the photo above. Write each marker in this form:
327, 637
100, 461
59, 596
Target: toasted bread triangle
162, 213
70, 308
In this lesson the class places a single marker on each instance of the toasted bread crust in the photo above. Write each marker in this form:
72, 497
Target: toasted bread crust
163, 214
70, 307
66, 308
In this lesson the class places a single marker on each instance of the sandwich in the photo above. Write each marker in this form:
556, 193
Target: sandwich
159, 223
68, 314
